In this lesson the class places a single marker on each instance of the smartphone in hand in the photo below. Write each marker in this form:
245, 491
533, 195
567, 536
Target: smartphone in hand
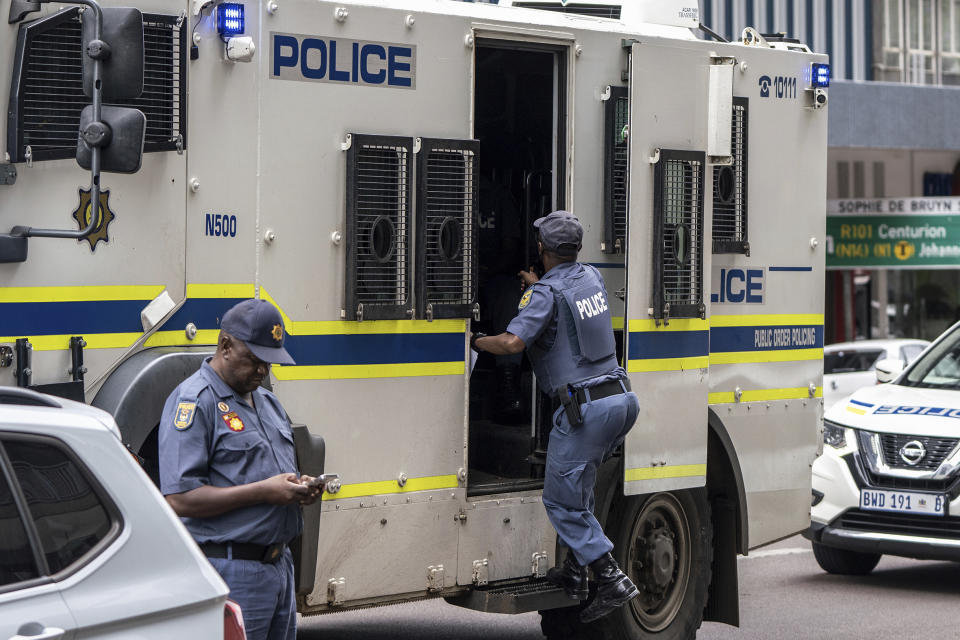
323, 479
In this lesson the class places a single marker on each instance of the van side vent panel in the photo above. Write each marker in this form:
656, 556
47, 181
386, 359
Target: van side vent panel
730, 189
616, 116
378, 228
678, 234
595, 10
447, 191
46, 93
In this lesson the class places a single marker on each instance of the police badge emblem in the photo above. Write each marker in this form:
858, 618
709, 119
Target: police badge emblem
184, 417
277, 332
223, 406
233, 421
525, 300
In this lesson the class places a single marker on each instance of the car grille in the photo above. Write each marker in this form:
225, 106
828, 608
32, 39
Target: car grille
901, 524
865, 477
937, 450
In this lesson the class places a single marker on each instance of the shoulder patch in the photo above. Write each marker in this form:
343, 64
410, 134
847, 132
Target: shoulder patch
185, 413
525, 300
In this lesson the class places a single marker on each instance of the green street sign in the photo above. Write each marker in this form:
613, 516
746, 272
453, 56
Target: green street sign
913, 241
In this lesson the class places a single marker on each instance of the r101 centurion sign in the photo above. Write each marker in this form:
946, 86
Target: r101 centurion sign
907, 233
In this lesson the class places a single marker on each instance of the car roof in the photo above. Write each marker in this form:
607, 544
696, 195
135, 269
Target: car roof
19, 406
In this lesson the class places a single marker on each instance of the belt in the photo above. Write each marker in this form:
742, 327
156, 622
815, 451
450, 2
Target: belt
602, 390
265, 553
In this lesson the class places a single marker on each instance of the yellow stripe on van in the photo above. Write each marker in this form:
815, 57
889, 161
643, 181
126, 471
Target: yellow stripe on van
348, 371
668, 364
665, 472
80, 294
388, 487
761, 395
781, 355
770, 319
679, 324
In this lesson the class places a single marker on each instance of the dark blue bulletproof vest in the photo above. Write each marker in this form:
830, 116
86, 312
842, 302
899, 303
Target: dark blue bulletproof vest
584, 346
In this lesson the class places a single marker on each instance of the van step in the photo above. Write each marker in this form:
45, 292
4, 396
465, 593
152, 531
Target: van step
513, 596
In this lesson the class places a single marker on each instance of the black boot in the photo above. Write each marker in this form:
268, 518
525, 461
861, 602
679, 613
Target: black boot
614, 589
571, 576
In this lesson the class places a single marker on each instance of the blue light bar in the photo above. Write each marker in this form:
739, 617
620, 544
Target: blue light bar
820, 76
229, 19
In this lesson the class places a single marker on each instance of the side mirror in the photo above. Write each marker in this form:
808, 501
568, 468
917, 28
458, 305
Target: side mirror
888, 369
120, 135
120, 51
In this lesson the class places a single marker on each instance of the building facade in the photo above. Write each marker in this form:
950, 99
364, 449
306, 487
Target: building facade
893, 108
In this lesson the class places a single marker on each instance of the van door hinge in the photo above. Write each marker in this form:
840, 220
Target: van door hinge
335, 590
460, 517
481, 572
538, 566
435, 578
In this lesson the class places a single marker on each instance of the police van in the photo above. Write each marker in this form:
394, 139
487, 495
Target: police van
373, 169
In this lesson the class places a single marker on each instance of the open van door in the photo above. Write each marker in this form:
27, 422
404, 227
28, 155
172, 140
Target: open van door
668, 338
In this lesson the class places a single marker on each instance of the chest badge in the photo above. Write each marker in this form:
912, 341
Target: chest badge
184, 417
233, 421
223, 406
525, 300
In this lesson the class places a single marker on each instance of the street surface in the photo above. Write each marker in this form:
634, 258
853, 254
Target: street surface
783, 594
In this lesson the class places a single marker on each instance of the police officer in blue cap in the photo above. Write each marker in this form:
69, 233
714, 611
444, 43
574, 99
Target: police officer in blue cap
228, 468
564, 324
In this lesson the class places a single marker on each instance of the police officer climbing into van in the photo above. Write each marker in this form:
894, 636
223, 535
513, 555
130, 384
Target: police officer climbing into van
228, 468
564, 324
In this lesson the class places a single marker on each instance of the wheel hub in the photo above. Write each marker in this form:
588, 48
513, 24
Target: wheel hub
659, 561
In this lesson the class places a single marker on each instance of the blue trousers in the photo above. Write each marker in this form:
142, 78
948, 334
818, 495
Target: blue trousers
265, 593
573, 456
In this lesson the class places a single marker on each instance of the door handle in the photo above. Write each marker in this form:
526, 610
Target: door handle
36, 631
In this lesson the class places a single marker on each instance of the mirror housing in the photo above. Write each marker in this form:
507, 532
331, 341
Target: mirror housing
120, 51
888, 369
119, 134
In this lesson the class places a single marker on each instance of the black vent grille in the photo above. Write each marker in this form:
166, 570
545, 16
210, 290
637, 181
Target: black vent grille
616, 117
937, 450
595, 10
730, 189
902, 524
379, 283
678, 234
47, 93
446, 228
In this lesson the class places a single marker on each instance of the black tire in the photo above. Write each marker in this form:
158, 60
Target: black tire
671, 601
843, 561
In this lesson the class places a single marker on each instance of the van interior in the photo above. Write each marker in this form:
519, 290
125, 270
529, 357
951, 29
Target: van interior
520, 123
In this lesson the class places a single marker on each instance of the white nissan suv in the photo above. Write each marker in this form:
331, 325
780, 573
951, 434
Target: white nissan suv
88, 546
888, 481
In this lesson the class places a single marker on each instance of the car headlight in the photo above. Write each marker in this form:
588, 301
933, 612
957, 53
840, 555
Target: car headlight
834, 435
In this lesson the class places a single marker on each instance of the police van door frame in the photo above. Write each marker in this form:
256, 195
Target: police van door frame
562, 44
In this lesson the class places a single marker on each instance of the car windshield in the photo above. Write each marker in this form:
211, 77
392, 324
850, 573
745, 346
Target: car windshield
850, 360
938, 368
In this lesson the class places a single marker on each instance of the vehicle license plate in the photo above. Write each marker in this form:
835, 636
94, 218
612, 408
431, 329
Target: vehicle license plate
931, 504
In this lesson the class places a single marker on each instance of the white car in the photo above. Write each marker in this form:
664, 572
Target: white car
848, 366
88, 546
888, 481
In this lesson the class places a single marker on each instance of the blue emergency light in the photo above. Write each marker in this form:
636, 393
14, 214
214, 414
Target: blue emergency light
820, 74
229, 19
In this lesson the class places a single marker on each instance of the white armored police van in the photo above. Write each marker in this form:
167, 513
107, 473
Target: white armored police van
373, 169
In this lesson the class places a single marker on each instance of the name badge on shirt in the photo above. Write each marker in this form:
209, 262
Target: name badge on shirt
185, 413
233, 421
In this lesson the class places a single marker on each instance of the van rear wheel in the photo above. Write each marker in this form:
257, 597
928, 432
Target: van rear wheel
664, 542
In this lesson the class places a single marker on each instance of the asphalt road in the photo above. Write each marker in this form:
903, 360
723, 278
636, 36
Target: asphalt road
783, 594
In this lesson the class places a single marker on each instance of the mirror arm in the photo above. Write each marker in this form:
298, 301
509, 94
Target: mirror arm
30, 232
